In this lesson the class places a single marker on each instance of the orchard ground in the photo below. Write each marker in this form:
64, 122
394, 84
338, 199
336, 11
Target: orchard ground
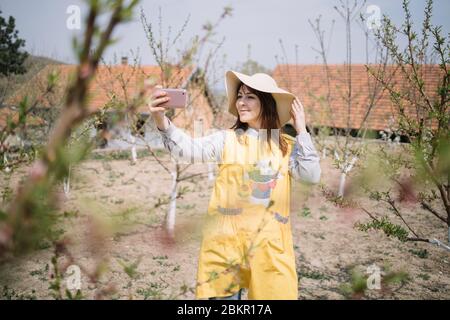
113, 201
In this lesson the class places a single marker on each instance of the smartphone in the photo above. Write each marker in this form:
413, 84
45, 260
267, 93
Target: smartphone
178, 98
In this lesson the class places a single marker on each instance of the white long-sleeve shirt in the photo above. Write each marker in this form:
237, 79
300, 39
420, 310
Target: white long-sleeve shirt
303, 161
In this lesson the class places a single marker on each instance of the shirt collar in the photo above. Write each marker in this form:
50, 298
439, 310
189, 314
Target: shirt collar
256, 133
252, 132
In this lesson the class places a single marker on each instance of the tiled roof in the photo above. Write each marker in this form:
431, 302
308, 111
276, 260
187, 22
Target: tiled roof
108, 86
309, 83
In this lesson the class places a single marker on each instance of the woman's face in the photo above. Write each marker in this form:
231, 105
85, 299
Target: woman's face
249, 107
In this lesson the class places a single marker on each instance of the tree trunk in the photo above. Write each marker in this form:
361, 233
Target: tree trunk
66, 183
324, 153
342, 184
133, 149
5, 161
347, 168
170, 218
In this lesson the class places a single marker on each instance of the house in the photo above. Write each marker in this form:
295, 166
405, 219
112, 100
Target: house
113, 88
310, 84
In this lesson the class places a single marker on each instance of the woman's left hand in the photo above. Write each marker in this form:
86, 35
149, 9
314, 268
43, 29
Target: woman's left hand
298, 115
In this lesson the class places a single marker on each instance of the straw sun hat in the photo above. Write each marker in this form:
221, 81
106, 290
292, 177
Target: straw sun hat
261, 82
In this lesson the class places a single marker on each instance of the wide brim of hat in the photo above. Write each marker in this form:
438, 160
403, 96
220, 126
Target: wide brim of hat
282, 97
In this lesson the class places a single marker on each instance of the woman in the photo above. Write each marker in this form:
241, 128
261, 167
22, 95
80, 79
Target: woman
247, 240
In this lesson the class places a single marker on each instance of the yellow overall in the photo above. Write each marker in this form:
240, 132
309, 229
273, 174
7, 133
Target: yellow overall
247, 239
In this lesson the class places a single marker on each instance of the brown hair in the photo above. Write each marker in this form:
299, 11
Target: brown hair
268, 114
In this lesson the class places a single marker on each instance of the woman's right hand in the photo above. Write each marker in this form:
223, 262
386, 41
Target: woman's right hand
158, 98
156, 106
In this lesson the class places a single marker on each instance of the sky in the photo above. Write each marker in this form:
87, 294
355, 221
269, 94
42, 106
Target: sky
258, 23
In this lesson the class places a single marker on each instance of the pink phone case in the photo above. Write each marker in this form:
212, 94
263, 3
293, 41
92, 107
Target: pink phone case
178, 97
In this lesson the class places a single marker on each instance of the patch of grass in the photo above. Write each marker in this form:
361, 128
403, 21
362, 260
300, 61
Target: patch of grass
186, 206
43, 245
143, 153
131, 268
165, 257
129, 182
125, 215
7, 193
319, 235
11, 294
118, 201
153, 219
424, 276
315, 275
112, 155
153, 291
306, 212
71, 214
396, 277
124, 154
41, 273
421, 253
323, 218
161, 260
52, 236
306, 272
112, 176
